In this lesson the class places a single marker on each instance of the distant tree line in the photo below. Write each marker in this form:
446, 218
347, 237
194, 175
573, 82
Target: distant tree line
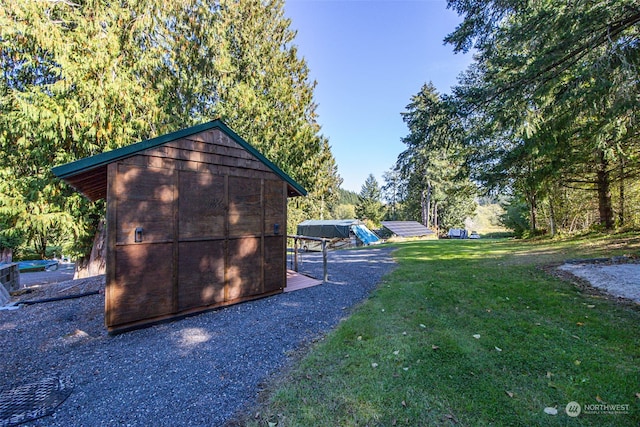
547, 113
80, 78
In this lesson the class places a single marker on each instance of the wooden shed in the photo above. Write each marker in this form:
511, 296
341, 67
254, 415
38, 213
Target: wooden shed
196, 219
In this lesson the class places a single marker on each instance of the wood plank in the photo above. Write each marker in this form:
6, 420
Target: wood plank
143, 183
144, 199
274, 263
155, 219
223, 156
184, 144
236, 171
93, 183
262, 258
245, 217
142, 289
243, 276
274, 208
285, 221
232, 161
160, 319
201, 274
210, 136
194, 143
188, 165
205, 144
226, 240
297, 281
175, 261
112, 226
160, 162
139, 160
203, 207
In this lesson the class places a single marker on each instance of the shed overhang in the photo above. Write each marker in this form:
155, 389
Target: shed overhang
89, 175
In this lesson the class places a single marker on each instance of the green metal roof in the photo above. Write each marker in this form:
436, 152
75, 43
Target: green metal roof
87, 164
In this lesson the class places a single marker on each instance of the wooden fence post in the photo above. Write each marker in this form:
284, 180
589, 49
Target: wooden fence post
324, 261
324, 252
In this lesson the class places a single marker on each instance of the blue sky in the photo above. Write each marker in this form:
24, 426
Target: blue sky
369, 58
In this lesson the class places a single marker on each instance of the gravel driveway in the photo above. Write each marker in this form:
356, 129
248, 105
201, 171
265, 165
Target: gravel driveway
63, 272
197, 371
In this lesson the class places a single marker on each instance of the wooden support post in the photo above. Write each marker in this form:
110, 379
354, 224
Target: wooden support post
295, 254
324, 261
315, 239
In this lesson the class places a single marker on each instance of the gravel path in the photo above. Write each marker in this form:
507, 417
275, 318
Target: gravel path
198, 371
620, 280
62, 273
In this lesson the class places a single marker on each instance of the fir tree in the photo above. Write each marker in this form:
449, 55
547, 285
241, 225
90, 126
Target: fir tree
369, 206
81, 78
550, 95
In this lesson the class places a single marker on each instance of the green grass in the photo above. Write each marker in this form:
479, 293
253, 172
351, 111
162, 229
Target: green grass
408, 355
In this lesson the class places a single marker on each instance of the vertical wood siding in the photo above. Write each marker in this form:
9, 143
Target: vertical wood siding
213, 221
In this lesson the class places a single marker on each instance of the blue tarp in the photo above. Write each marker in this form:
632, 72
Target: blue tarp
338, 229
40, 264
365, 235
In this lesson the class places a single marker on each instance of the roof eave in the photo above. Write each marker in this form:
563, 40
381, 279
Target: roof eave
77, 167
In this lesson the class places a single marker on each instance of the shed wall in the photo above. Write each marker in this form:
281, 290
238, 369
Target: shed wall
213, 222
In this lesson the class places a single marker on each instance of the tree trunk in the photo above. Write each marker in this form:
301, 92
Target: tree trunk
95, 264
552, 219
425, 203
621, 195
435, 217
533, 206
423, 215
40, 245
6, 255
604, 193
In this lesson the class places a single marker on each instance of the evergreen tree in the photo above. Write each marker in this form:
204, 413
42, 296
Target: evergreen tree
392, 193
347, 197
81, 78
76, 80
437, 188
343, 207
264, 93
369, 206
550, 95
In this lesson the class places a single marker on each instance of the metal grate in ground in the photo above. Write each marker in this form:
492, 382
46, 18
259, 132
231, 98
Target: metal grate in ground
28, 402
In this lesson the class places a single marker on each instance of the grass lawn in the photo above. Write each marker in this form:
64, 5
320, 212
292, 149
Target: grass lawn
471, 333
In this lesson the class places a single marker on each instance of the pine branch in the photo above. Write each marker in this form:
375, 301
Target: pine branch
548, 73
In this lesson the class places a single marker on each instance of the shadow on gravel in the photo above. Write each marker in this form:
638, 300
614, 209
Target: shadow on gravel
197, 371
